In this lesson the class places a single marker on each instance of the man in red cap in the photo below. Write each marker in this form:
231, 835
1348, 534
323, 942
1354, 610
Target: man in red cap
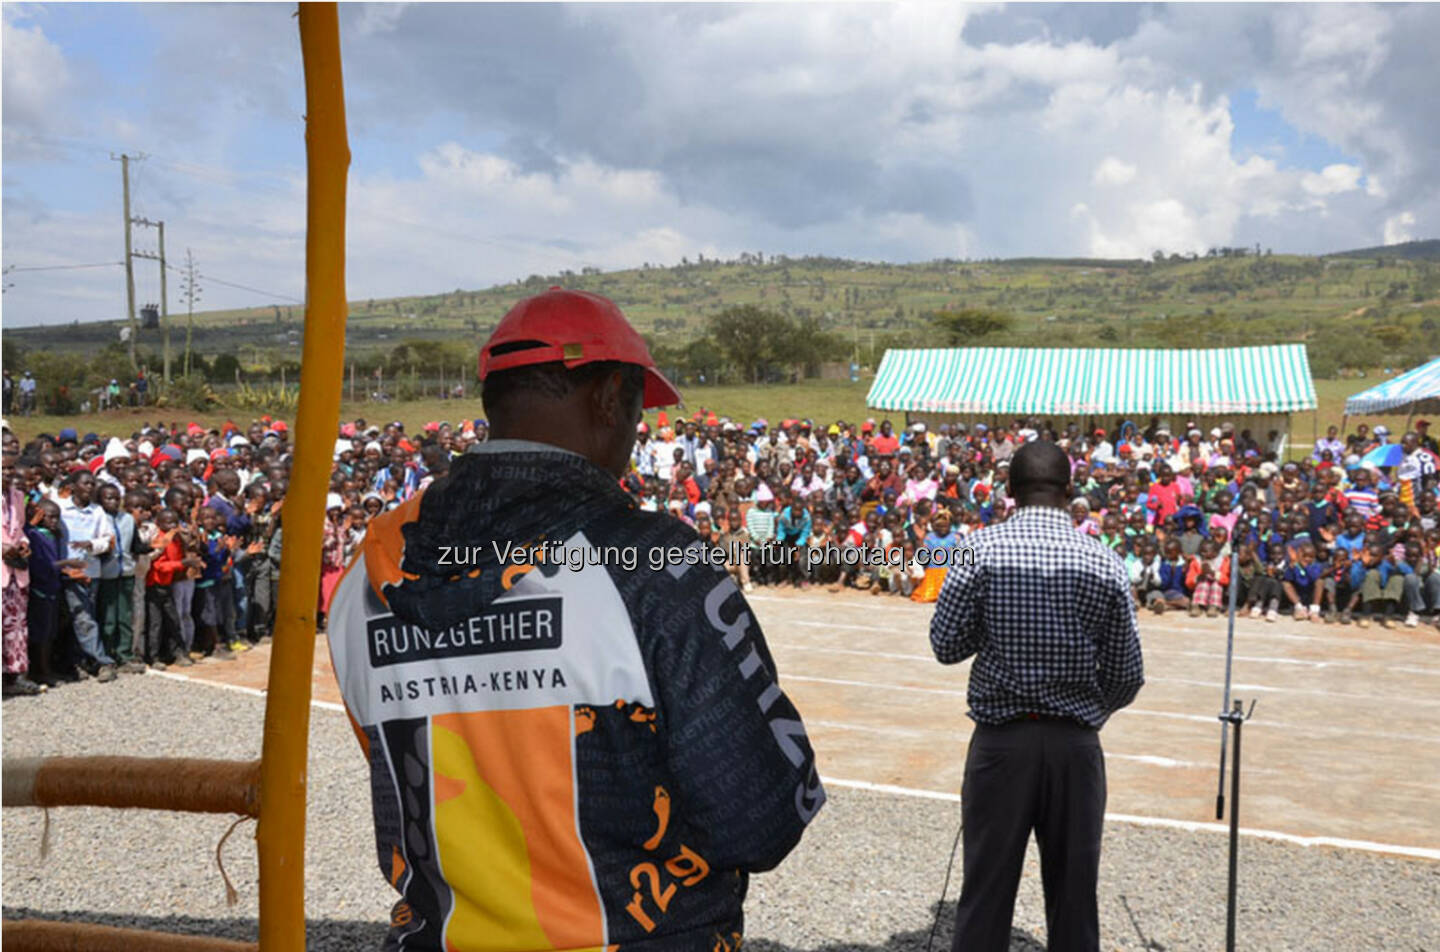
551, 714
1422, 430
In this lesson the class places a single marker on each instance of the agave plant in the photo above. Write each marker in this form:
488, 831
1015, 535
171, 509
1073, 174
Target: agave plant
272, 398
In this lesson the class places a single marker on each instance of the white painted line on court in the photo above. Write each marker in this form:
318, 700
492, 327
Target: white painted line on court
854, 651
1192, 826
1148, 759
1150, 679
871, 684
1304, 729
253, 692
866, 729
1385, 697
1219, 656
1262, 634
1240, 633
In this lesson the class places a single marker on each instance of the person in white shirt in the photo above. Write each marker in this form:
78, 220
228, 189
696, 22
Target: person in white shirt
702, 451
1104, 451
27, 394
117, 460
664, 454
90, 534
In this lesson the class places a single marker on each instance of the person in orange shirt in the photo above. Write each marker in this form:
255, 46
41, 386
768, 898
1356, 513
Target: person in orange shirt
162, 621
1208, 577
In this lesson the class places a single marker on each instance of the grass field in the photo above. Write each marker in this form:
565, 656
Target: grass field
819, 400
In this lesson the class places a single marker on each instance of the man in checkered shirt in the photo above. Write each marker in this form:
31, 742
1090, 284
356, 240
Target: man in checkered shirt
1048, 615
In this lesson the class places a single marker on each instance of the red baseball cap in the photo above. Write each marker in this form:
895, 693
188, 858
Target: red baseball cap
574, 328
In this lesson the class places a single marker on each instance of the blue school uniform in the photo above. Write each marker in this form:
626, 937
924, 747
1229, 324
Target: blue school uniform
1304, 578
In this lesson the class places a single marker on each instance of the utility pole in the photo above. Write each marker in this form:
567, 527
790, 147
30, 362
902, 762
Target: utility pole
164, 302
164, 305
129, 267
191, 291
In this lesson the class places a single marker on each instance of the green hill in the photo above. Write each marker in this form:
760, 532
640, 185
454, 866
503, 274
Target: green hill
1365, 308
1428, 250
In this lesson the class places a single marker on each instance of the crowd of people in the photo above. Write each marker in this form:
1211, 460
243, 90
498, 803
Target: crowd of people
163, 546
22, 397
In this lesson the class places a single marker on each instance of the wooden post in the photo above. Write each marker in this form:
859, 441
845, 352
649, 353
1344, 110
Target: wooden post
352, 384
281, 832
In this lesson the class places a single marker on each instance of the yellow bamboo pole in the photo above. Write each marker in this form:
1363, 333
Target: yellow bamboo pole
281, 832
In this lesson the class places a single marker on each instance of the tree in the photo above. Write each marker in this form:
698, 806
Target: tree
969, 324
805, 345
225, 368
703, 358
746, 335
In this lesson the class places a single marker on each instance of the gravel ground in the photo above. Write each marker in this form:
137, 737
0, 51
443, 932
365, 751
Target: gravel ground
867, 875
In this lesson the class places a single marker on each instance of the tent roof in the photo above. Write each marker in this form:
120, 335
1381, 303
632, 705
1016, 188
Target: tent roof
1078, 381
1412, 387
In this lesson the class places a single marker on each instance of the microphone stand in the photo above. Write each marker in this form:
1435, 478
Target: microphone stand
1232, 716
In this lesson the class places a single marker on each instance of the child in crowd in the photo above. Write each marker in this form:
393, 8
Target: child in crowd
164, 635
1338, 596
1190, 535
47, 566
760, 521
210, 614
117, 582
1302, 583
1173, 569
1112, 536
1207, 578
1143, 568
138, 505
734, 539
1382, 583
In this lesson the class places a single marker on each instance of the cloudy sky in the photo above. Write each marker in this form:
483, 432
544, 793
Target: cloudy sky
491, 142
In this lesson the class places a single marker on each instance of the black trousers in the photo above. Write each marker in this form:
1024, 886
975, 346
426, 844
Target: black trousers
1041, 775
162, 624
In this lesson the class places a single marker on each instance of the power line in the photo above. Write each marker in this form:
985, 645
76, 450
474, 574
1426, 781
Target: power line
245, 287
65, 267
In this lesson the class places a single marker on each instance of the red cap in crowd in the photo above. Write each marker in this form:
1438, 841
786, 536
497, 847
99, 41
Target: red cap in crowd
575, 328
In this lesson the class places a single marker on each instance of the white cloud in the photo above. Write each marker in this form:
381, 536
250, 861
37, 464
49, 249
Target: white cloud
1397, 228
1112, 171
1332, 180
36, 79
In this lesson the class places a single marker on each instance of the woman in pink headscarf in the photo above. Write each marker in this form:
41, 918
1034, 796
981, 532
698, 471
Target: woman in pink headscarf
15, 583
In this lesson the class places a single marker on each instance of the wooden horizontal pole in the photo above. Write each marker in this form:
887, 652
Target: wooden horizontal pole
187, 785
39, 935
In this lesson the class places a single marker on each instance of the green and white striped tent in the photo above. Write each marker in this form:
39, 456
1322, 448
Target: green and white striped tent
1081, 382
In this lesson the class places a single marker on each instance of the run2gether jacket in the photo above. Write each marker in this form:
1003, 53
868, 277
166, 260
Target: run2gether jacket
584, 751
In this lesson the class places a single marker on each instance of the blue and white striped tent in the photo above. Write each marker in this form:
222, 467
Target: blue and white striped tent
977, 381
1415, 391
